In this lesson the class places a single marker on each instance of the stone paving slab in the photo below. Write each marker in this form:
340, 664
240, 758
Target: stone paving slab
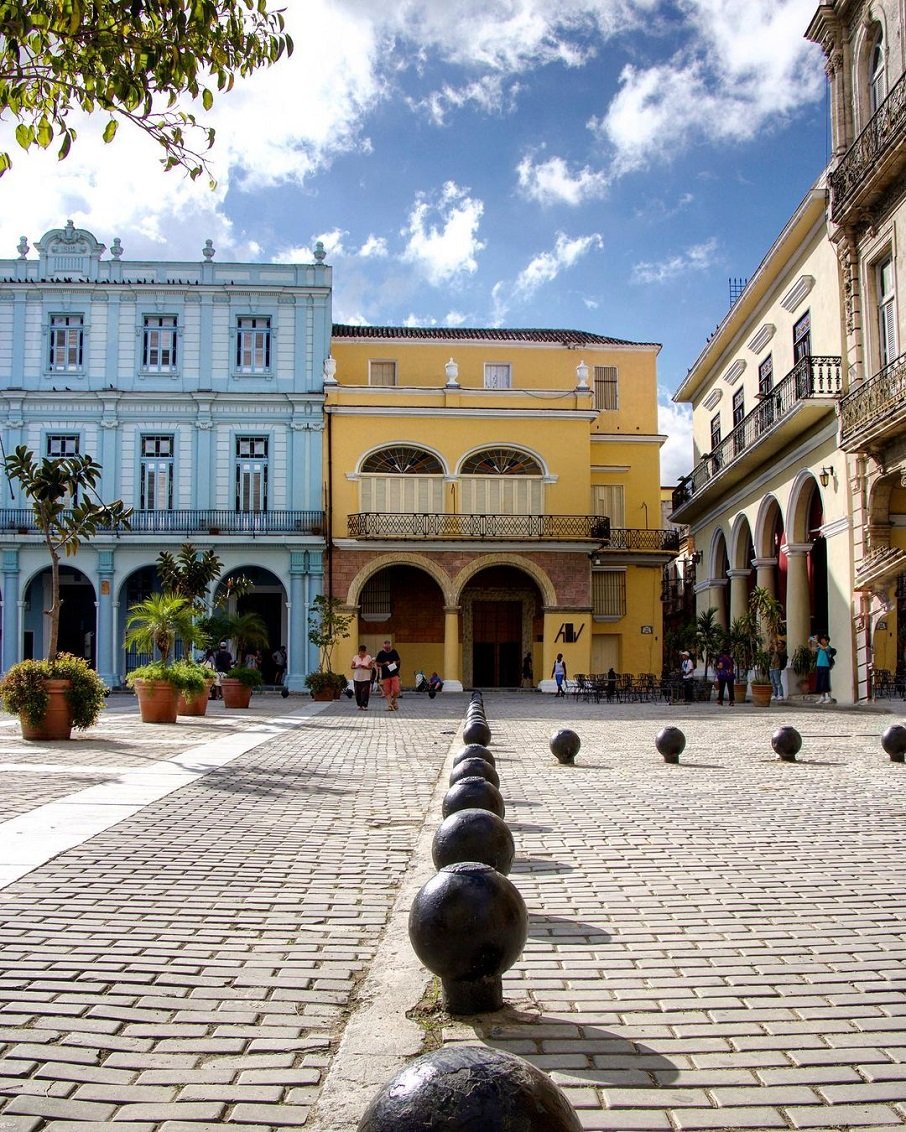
713, 945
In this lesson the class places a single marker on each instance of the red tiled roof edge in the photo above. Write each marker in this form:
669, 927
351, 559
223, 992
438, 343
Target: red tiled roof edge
484, 334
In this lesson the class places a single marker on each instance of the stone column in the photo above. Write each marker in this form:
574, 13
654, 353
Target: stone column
766, 574
739, 592
452, 673
301, 594
11, 638
715, 591
798, 605
106, 647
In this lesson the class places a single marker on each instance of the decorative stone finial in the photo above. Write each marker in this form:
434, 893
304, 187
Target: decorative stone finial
451, 369
116, 248
330, 370
208, 250
320, 253
22, 247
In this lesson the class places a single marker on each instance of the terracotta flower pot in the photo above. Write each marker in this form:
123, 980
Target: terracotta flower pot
57, 721
761, 695
193, 703
157, 701
235, 693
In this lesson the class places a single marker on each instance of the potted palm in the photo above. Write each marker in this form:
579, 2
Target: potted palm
766, 614
739, 645
190, 574
67, 512
238, 684
249, 631
328, 623
802, 663
155, 624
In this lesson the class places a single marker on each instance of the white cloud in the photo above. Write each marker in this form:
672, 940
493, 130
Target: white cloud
675, 422
546, 266
551, 182
699, 257
375, 247
447, 246
745, 68
490, 94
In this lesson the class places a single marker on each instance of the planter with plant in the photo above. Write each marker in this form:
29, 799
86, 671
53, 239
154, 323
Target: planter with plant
802, 663
326, 685
51, 485
739, 646
766, 614
328, 624
157, 623
238, 684
52, 697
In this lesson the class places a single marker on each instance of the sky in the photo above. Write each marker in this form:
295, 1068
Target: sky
598, 165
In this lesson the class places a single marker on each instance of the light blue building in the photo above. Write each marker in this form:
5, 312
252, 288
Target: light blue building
199, 388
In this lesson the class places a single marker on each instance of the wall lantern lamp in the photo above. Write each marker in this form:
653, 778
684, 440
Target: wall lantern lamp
825, 475
582, 376
697, 557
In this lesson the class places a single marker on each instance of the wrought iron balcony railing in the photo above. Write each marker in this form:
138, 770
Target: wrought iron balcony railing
866, 408
810, 378
551, 528
883, 134
22, 521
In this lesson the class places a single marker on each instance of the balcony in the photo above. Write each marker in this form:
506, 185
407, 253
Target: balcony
874, 413
794, 404
874, 162
185, 523
520, 528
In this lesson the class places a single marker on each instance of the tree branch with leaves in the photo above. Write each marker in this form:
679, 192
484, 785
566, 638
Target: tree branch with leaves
132, 61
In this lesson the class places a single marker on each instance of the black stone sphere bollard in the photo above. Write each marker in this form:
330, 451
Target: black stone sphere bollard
477, 731
564, 745
474, 835
671, 743
458, 1088
473, 793
468, 925
894, 742
474, 751
787, 743
474, 768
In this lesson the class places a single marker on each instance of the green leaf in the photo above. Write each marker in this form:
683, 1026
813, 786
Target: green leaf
110, 130
25, 135
207, 99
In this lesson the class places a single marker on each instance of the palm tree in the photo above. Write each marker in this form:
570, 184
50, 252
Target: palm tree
158, 621
248, 630
708, 636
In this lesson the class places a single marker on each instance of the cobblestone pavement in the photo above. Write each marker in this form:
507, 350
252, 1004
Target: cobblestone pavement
713, 945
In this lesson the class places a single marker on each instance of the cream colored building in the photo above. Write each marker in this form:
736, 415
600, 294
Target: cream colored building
767, 501
494, 495
866, 65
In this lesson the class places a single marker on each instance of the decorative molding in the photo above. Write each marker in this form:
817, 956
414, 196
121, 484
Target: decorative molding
734, 373
761, 337
713, 397
797, 292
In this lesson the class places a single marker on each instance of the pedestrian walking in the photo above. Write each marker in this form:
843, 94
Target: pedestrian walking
726, 675
687, 668
824, 662
558, 673
278, 656
223, 662
362, 673
388, 663
778, 663
528, 676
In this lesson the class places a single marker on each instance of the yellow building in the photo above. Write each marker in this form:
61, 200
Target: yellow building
494, 500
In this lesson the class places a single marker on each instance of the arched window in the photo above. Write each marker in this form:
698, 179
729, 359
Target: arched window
877, 74
501, 481
402, 479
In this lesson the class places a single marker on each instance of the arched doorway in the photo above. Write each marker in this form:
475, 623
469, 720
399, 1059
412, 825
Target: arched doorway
502, 616
78, 615
404, 604
266, 597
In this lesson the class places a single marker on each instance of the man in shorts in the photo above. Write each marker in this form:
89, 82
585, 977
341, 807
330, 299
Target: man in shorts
388, 662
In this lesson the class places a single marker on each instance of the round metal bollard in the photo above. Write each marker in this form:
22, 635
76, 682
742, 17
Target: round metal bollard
474, 751
284, 692
473, 793
894, 742
564, 745
787, 743
474, 835
671, 743
477, 731
462, 1088
468, 925
474, 768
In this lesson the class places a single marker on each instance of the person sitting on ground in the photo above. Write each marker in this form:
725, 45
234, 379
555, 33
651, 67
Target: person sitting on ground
435, 685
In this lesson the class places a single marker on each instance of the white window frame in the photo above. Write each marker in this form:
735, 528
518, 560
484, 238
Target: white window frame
159, 343
59, 445
887, 312
877, 74
498, 375
382, 373
254, 343
252, 468
157, 457
66, 346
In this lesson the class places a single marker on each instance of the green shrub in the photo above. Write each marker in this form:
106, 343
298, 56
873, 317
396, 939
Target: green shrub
22, 689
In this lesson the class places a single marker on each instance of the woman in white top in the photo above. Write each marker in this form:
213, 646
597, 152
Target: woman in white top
362, 673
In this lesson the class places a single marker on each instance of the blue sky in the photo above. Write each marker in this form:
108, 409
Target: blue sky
603, 165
